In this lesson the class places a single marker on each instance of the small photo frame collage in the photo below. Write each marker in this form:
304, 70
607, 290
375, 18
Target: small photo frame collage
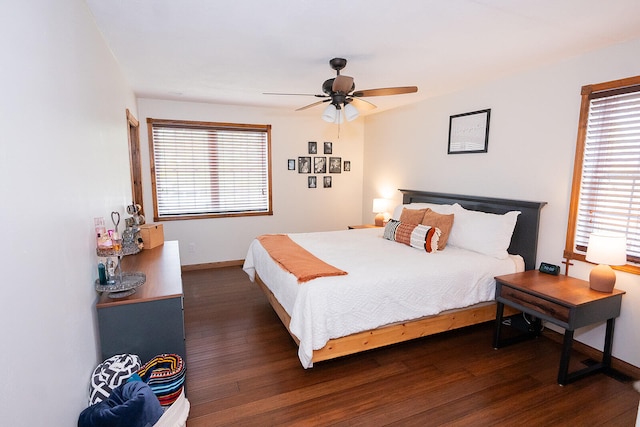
319, 165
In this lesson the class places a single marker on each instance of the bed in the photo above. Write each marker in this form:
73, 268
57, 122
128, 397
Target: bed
392, 292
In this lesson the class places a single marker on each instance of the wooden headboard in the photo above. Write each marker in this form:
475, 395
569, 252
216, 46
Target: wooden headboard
524, 241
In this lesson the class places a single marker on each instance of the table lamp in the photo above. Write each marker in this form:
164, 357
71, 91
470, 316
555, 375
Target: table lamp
605, 249
379, 208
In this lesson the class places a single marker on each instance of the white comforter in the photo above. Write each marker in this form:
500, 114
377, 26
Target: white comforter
387, 282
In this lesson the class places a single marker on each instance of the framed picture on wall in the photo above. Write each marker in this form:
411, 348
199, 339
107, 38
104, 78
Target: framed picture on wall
328, 148
312, 182
304, 164
469, 132
313, 147
335, 164
326, 182
319, 165
291, 164
347, 165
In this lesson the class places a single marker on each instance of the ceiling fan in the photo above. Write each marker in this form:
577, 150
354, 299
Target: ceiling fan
340, 92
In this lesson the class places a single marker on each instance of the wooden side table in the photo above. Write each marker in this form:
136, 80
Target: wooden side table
564, 301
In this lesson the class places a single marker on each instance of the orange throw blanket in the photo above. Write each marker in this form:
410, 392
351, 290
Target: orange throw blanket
295, 259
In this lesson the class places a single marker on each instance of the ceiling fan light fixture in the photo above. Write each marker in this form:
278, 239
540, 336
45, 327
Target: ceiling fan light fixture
350, 112
330, 114
340, 92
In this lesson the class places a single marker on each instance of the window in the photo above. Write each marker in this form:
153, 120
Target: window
606, 178
203, 170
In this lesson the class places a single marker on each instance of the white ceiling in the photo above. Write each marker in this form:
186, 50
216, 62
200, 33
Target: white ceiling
231, 52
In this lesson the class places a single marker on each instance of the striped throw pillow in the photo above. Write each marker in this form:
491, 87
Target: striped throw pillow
417, 236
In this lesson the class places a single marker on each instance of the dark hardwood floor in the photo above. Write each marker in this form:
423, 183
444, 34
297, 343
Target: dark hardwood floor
243, 369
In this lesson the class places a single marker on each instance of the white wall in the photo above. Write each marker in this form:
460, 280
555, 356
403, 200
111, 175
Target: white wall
63, 161
296, 208
533, 127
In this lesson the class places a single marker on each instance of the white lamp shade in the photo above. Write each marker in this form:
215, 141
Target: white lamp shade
339, 117
330, 113
609, 249
379, 205
350, 112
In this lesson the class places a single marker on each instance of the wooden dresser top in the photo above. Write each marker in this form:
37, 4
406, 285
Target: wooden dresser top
164, 276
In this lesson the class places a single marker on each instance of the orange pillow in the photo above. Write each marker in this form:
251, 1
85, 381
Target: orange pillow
441, 221
412, 216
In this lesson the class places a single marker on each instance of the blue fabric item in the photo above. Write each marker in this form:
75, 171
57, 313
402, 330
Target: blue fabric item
134, 377
132, 404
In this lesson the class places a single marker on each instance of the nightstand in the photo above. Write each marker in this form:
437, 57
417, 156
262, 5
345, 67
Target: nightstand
564, 301
356, 227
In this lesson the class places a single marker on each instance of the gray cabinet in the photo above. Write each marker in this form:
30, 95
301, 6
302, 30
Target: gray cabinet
151, 321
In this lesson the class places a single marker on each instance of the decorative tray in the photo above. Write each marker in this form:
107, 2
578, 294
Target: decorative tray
127, 249
123, 288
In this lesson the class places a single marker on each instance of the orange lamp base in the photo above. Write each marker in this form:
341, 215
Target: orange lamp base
602, 278
379, 220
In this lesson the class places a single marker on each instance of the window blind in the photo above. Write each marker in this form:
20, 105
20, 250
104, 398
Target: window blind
610, 185
203, 170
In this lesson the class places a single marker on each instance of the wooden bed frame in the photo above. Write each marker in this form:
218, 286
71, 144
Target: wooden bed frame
523, 242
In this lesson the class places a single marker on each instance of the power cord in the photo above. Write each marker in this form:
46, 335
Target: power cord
529, 322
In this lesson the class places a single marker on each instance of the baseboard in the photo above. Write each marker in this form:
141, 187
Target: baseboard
617, 364
220, 264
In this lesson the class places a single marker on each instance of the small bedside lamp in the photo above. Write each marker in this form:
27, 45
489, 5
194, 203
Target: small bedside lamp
379, 208
605, 250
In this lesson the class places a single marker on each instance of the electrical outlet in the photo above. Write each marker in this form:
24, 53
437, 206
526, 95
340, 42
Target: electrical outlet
192, 248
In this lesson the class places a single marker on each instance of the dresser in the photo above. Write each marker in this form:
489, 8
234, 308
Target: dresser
151, 321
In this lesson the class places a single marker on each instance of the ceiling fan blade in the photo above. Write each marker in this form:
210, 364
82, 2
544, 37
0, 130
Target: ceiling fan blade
362, 105
294, 94
313, 105
342, 84
386, 91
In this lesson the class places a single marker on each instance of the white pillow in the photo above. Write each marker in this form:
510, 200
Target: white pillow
487, 233
441, 209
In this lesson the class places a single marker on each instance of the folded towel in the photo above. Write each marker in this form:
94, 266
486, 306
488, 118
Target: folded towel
165, 375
